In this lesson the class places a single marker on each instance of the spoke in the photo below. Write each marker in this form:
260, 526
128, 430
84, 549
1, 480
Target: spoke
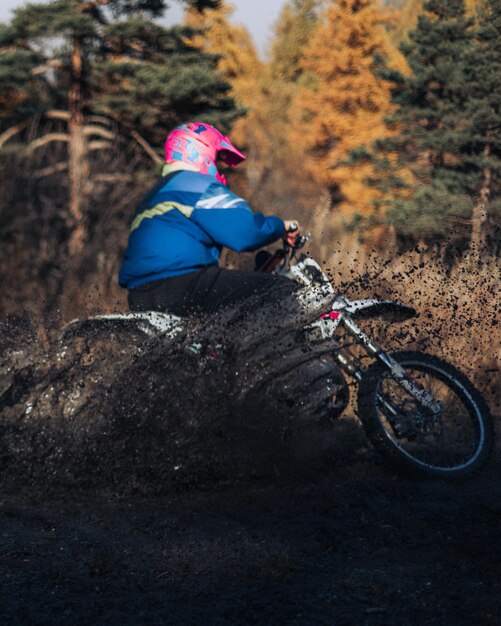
443, 444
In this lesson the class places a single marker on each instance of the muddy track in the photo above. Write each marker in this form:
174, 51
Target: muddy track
170, 491
348, 543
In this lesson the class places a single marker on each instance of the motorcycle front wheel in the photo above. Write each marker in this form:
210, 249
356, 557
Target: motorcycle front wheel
451, 443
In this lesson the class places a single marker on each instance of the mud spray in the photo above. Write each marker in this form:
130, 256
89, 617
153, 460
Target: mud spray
113, 414
121, 413
116, 412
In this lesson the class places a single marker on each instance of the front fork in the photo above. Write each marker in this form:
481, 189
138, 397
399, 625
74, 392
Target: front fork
330, 323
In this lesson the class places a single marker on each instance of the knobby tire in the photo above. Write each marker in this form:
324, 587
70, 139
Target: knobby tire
383, 436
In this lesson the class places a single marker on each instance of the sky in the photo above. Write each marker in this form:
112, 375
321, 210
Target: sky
257, 15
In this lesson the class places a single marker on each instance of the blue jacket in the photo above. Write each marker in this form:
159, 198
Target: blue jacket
182, 224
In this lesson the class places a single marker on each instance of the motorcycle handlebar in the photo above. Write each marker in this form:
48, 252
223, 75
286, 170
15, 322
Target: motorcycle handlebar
301, 241
282, 255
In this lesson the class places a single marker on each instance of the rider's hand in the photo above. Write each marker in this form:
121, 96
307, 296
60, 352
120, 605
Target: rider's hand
292, 231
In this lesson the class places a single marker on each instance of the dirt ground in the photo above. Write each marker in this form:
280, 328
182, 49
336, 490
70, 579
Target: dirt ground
146, 493
342, 543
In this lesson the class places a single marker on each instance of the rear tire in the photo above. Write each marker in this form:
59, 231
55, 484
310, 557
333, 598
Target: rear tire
452, 445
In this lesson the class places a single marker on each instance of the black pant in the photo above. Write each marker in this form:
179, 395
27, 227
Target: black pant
206, 291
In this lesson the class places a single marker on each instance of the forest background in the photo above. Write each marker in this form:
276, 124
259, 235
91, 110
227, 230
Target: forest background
377, 125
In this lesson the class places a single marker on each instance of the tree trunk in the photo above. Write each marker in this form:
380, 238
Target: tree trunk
78, 157
479, 214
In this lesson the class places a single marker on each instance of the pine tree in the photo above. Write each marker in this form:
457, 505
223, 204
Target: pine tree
90, 66
344, 103
483, 147
432, 117
409, 11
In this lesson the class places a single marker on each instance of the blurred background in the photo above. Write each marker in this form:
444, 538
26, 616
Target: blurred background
376, 124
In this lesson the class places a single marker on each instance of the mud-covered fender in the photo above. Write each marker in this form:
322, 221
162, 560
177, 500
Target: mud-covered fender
387, 310
151, 323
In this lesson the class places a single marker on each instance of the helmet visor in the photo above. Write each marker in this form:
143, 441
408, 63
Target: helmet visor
228, 154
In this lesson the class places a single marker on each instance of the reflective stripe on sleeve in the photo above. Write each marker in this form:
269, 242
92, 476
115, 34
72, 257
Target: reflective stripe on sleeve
161, 209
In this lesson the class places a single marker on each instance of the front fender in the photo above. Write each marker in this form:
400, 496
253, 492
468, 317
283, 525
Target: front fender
386, 310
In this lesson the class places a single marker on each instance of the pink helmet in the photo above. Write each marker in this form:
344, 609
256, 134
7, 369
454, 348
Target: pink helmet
198, 144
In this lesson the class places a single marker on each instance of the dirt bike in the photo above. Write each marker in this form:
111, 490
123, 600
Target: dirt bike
419, 412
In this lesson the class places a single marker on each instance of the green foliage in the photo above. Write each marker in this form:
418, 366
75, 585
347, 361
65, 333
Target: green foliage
144, 76
16, 68
432, 210
483, 145
154, 8
153, 79
445, 106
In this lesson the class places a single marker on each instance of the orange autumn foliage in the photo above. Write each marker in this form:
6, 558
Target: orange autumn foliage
344, 104
238, 63
238, 60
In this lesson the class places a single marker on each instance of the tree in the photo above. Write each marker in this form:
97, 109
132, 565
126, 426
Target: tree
278, 177
286, 76
409, 11
231, 44
95, 66
433, 115
293, 30
344, 102
483, 150
238, 63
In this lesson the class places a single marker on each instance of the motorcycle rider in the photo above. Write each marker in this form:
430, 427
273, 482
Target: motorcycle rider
181, 225
175, 241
